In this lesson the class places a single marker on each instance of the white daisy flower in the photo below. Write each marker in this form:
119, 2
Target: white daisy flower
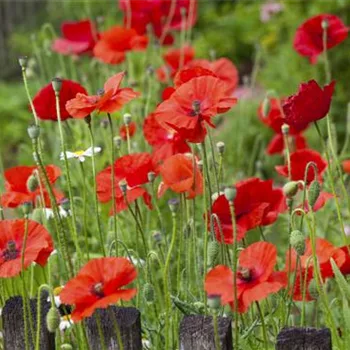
81, 154
48, 212
65, 323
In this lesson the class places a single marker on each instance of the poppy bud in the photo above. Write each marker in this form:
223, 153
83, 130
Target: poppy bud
53, 319
23, 61
313, 291
127, 118
290, 189
151, 176
314, 192
66, 346
214, 301
87, 119
325, 24
173, 205
65, 204
213, 252
230, 193
297, 241
32, 183
266, 107
27, 207
148, 293
56, 85
33, 131
157, 236
220, 146
285, 129
123, 186
117, 141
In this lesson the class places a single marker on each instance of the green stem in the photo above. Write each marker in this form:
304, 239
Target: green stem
263, 326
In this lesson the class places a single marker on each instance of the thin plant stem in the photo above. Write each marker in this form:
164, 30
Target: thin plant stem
216, 331
84, 211
263, 325
113, 183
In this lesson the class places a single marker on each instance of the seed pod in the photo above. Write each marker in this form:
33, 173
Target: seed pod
148, 293
32, 183
127, 118
56, 84
173, 204
214, 301
213, 252
33, 131
297, 241
285, 129
23, 61
53, 319
313, 289
290, 189
230, 193
220, 146
314, 192
27, 207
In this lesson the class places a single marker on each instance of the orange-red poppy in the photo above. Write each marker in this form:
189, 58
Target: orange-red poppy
255, 278
97, 285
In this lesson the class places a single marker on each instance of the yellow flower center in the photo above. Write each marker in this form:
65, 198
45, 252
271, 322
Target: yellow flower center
79, 153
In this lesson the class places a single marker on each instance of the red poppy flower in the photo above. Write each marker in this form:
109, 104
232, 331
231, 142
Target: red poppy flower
78, 37
165, 142
17, 189
223, 68
308, 105
99, 284
179, 175
116, 42
133, 169
123, 130
156, 13
193, 105
324, 252
345, 267
45, 101
346, 166
255, 278
111, 99
38, 246
276, 145
298, 162
174, 59
308, 40
257, 203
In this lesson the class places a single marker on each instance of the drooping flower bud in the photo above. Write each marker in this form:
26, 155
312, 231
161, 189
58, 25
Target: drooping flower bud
56, 85
157, 236
148, 293
123, 186
230, 193
290, 189
53, 319
297, 241
32, 183
314, 192
33, 131
313, 291
117, 141
213, 252
220, 146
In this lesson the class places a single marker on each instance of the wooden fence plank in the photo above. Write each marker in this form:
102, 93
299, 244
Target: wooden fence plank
197, 333
295, 338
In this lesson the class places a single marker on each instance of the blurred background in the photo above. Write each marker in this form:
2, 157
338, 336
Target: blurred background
256, 35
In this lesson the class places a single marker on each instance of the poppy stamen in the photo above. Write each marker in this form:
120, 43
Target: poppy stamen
100, 92
11, 252
196, 108
244, 274
97, 289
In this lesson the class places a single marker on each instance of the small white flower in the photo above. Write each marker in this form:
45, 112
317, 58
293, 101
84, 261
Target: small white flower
81, 154
65, 323
136, 261
48, 212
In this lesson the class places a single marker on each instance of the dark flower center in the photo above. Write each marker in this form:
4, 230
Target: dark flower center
97, 289
100, 92
196, 108
11, 252
244, 274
